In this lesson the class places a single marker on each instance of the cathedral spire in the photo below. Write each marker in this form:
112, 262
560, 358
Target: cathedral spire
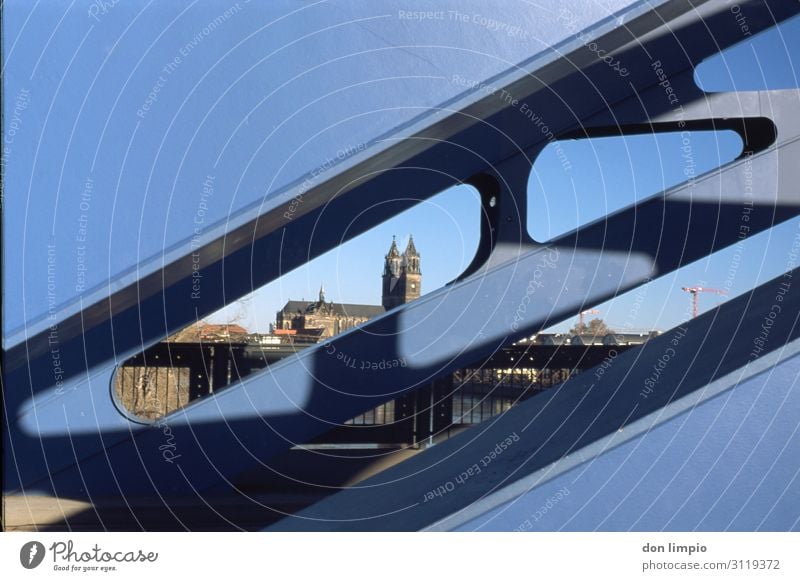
411, 257
393, 261
321, 293
393, 251
411, 250
402, 279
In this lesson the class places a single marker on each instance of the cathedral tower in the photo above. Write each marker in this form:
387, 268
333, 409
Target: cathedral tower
402, 277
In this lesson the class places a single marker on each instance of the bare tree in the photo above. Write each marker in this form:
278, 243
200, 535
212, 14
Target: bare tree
595, 327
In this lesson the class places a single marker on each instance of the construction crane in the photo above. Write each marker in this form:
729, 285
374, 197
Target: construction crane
696, 290
586, 312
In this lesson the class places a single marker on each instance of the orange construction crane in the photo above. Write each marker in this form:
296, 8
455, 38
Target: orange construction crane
696, 290
586, 312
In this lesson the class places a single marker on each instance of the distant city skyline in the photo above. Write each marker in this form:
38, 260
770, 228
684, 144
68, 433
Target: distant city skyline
603, 175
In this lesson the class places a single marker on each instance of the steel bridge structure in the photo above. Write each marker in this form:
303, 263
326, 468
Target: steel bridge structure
710, 444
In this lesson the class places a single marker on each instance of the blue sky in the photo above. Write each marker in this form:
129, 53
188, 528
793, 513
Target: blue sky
445, 228
119, 112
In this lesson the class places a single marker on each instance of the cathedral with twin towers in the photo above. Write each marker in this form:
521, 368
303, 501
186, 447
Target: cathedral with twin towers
314, 321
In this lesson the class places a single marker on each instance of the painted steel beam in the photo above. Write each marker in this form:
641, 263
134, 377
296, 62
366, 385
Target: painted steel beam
692, 430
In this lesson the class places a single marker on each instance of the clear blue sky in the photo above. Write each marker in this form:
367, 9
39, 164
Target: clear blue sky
445, 228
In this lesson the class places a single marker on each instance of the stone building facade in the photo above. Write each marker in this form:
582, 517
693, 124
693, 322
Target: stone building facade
402, 276
321, 319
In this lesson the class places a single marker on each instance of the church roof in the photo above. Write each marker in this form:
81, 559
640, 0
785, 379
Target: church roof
339, 309
208, 332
